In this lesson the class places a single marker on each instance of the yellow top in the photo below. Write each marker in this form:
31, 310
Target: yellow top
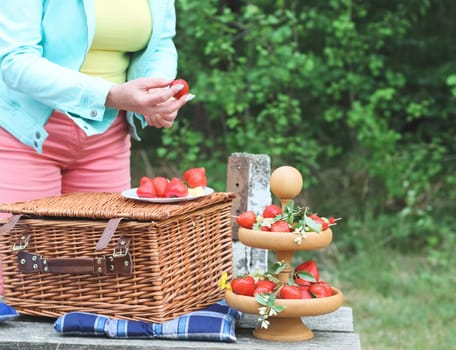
122, 27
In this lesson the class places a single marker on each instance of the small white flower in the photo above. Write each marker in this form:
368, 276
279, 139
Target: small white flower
262, 310
267, 222
272, 312
265, 324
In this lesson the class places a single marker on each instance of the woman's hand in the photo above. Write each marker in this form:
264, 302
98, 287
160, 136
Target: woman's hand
151, 97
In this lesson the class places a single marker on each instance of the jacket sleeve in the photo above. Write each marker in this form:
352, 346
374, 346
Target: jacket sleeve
24, 69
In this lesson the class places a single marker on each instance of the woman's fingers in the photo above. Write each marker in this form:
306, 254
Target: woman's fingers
150, 97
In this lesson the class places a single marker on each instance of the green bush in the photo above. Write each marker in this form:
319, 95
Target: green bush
358, 95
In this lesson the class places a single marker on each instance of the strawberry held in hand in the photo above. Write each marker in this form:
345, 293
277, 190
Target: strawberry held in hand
183, 91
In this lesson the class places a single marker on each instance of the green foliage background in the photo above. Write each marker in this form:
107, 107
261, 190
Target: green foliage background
358, 95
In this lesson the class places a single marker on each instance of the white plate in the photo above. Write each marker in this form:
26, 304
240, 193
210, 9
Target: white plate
131, 194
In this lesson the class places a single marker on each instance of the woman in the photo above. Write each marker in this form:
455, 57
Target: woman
75, 75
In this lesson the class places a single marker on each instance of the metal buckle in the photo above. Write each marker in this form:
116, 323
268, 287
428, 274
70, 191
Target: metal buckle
121, 248
22, 242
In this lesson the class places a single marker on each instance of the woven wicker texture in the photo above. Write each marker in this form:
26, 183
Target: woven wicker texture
104, 205
177, 259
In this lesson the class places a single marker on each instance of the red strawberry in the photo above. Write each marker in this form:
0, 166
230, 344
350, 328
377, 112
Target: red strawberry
176, 188
280, 226
293, 292
195, 177
144, 180
310, 267
243, 285
160, 184
319, 220
265, 228
264, 286
320, 289
146, 188
246, 219
305, 293
271, 211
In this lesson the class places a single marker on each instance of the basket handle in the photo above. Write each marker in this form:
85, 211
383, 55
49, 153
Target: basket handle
119, 262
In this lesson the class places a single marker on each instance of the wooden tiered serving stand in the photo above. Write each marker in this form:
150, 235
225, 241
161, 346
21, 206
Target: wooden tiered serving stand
286, 184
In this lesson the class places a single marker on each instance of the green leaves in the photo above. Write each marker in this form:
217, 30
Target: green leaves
360, 97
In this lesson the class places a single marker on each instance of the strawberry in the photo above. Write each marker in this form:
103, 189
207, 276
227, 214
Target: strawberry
195, 177
305, 293
176, 188
320, 289
290, 292
246, 219
160, 184
265, 228
243, 285
311, 268
324, 224
146, 188
264, 286
280, 226
271, 211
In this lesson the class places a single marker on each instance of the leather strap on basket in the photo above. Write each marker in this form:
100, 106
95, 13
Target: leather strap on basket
109, 230
12, 221
115, 263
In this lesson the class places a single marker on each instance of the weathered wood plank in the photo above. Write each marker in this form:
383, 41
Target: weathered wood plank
340, 320
28, 333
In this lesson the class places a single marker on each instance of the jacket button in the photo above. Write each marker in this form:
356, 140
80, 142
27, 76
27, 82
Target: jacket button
93, 113
38, 135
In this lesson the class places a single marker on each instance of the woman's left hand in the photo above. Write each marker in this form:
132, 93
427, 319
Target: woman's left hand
161, 120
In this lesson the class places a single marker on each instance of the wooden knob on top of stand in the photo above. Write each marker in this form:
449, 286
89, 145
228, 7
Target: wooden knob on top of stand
286, 183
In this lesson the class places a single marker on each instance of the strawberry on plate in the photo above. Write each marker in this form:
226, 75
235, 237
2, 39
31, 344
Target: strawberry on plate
195, 177
176, 188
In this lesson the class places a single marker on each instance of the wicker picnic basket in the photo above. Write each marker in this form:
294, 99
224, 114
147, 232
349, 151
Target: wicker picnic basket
106, 254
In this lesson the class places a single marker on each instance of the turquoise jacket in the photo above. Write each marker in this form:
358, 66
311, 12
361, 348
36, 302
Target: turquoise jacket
42, 47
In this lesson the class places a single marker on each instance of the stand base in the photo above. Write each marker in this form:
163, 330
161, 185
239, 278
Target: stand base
284, 329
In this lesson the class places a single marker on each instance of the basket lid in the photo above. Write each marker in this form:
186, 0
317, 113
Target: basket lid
107, 205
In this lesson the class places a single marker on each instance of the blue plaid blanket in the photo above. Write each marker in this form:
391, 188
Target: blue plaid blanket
214, 323
7, 312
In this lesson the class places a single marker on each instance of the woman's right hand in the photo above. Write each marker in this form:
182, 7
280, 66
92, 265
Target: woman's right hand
150, 97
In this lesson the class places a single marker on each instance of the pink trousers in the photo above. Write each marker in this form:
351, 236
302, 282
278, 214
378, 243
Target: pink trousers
70, 162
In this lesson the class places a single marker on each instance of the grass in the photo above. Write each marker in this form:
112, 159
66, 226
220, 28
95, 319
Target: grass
399, 301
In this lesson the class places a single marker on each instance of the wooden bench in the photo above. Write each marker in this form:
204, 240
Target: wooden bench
333, 331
